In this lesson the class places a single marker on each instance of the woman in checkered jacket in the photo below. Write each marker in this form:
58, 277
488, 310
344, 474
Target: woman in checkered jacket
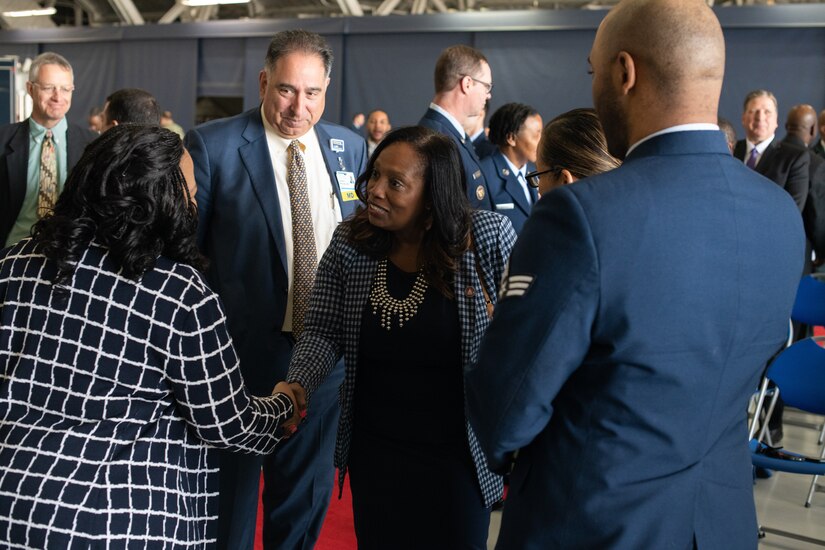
400, 293
117, 375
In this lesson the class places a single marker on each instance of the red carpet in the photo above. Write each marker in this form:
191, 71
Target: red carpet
337, 532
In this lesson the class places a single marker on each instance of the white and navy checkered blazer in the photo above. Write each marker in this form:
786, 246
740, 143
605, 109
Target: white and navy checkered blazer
113, 394
342, 286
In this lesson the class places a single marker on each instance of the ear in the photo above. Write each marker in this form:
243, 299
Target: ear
566, 177
465, 83
262, 81
627, 69
511, 139
30, 88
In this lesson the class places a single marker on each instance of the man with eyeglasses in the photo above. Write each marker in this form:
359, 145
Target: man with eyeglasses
38, 153
463, 84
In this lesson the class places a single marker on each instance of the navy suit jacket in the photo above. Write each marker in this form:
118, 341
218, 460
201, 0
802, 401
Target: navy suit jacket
483, 146
785, 164
240, 231
506, 192
639, 311
477, 190
14, 164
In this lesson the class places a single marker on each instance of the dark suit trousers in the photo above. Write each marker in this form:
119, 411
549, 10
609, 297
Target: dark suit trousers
298, 480
299, 475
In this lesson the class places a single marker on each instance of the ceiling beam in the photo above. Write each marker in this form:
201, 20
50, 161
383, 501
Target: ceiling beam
387, 7
173, 13
127, 12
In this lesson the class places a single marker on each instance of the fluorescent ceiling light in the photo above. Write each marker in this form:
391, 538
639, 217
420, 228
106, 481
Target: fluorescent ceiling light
197, 3
30, 13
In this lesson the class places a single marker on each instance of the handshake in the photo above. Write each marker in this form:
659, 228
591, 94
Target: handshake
298, 396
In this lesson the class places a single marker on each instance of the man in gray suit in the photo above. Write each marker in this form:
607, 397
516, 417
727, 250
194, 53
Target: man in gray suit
22, 199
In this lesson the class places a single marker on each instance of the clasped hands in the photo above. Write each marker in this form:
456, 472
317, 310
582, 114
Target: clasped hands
298, 396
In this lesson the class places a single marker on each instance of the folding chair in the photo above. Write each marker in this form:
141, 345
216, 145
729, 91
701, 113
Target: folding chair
799, 376
809, 309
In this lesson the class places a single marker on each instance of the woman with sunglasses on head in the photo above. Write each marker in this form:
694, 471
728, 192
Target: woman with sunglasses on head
118, 378
403, 293
572, 147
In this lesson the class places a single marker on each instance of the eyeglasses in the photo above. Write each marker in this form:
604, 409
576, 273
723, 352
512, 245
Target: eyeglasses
51, 88
534, 177
487, 85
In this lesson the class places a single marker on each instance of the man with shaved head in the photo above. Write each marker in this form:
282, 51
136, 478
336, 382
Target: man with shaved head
801, 127
638, 312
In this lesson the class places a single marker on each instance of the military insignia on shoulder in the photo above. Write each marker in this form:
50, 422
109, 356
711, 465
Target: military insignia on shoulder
515, 285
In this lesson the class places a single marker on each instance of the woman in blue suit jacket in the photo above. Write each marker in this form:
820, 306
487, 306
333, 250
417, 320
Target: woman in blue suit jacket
399, 294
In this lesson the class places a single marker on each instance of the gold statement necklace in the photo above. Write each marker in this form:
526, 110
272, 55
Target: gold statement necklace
392, 308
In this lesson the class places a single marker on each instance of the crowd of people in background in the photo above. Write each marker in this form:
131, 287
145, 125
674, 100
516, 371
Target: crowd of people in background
582, 307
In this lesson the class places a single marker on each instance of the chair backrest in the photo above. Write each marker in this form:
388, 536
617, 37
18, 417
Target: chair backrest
799, 372
809, 306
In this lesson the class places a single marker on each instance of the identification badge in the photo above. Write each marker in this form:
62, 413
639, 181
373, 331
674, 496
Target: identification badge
346, 182
476, 174
337, 145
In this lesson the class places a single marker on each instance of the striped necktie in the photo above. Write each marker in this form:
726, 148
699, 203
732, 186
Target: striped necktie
304, 254
47, 195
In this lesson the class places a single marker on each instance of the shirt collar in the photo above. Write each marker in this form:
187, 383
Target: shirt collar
451, 118
37, 131
513, 167
692, 127
760, 147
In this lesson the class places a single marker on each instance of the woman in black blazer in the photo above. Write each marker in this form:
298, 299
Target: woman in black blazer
117, 375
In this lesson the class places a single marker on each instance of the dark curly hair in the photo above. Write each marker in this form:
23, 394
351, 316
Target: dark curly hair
448, 237
128, 194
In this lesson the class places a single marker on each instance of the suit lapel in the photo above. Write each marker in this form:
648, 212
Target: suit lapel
336, 161
258, 165
766, 159
511, 183
74, 147
17, 166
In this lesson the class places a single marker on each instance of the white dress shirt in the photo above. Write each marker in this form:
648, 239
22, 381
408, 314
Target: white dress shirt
324, 207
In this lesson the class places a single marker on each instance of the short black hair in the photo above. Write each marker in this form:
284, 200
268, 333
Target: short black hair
298, 40
132, 106
508, 120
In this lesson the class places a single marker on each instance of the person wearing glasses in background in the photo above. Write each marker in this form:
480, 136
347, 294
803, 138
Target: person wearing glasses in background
463, 84
515, 130
37, 154
572, 147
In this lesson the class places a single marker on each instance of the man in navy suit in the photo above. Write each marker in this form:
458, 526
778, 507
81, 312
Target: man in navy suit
245, 229
50, 85
515, 129
638, 312
463, 84
784, 163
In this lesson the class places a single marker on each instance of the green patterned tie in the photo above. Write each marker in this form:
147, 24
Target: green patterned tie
47, 195
304, 254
